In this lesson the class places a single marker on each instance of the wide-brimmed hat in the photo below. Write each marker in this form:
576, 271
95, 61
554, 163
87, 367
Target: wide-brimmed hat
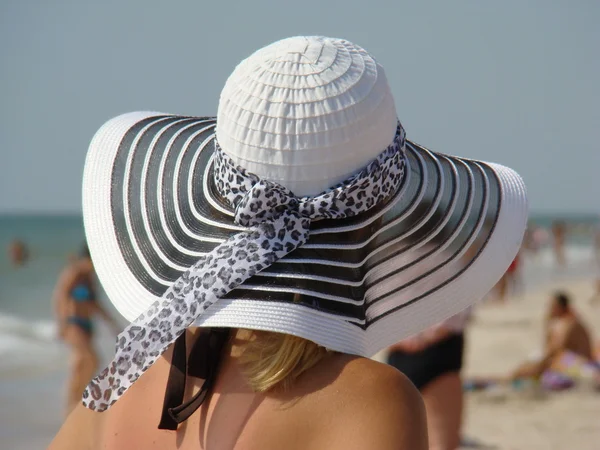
301, 209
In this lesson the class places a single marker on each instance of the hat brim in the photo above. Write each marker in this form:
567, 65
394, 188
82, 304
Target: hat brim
358, 285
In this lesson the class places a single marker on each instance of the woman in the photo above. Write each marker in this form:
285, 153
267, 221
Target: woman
433, 360
75, 305
257, 256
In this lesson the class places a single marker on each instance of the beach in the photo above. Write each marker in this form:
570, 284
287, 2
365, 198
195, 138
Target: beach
499, 338
33, 363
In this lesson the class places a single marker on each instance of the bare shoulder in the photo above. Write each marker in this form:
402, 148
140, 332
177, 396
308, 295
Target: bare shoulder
376, 406
380, 385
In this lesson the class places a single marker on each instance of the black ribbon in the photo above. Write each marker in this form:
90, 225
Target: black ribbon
203, 362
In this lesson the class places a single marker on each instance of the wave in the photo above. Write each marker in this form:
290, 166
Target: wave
31, 346
27, 344
575, 255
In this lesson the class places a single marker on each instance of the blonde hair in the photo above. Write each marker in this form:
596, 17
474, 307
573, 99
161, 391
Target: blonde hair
274, 360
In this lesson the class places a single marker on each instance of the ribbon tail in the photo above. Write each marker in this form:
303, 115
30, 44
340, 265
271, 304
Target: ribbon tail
213, 276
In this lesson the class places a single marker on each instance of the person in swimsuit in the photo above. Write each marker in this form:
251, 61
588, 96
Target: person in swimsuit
565, 332
75, 305
433, 360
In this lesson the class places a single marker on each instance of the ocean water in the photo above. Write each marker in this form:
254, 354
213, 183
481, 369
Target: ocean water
27, 330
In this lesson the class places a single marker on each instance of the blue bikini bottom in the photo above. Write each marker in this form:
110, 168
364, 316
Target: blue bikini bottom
83, 323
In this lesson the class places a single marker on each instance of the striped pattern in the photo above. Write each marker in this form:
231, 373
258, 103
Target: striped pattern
166, 214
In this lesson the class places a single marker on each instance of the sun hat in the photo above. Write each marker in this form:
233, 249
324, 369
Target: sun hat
301, 209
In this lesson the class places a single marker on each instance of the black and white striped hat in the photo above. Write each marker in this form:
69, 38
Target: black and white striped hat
299, 209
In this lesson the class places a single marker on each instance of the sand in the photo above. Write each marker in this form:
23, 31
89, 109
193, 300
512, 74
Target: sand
31, 410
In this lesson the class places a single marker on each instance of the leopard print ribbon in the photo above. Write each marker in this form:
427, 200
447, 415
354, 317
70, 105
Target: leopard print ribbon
373, 184
278, 223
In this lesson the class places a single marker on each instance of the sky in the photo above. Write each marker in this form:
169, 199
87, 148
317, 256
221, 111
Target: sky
513, 81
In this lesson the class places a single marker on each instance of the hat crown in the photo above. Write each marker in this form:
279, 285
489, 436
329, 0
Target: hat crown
306, 112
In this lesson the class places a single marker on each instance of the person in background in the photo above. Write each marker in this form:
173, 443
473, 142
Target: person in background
596, 243
509, 281
433, 360
17, 253
529, 242
559, 232
75, 305
596, 296
564, 332
596, 239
